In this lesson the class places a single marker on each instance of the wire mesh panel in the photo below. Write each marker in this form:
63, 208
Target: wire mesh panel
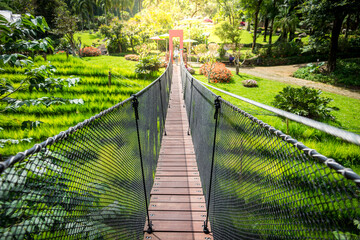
86, 183
265, 184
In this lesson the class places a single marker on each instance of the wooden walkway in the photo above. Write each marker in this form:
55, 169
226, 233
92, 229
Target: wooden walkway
177, 205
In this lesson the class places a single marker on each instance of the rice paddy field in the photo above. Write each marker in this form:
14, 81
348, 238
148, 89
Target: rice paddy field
347, 117
93, 89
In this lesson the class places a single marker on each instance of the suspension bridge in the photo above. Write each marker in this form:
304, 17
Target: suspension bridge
176, 161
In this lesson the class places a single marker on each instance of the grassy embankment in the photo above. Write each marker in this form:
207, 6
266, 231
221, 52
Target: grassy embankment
348, 117
93, 89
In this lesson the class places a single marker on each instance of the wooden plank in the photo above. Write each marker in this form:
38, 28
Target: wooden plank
177, 156
171, 169
177, 163
164, 206
176, 151
177, 198
177, 236
177, 226
170, 179
176, 174
177, 191
177, 215
191, 184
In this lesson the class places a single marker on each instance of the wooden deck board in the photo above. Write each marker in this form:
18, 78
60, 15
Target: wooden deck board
177, 206
180, 236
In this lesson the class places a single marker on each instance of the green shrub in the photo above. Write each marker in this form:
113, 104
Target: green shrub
305, 102
282, 49
148, 64
222, 51
346, 73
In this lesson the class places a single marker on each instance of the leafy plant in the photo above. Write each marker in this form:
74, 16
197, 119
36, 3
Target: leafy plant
148, 64
222, 51
305, 102
14, 104
13, 141
281, 49
36, 199
30, 124
346, 73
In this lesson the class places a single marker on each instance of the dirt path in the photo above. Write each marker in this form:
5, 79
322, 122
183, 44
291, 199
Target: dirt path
284, 74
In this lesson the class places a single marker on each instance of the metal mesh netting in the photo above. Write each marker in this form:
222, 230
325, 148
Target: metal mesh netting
265, 184
86, 183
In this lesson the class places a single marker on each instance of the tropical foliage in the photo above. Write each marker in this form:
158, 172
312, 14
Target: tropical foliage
305, 102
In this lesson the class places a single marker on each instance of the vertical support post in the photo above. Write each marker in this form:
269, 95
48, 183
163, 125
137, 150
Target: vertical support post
162, 106
109, 77
216, 115
287, 126
191, 95
135, 105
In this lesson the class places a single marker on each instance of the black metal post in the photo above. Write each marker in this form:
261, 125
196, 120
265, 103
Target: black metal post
192, 82
162, 106
217, 107
135, 104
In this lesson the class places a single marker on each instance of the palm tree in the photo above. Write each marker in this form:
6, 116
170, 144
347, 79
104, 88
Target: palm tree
84, 9
287, 21
106, 5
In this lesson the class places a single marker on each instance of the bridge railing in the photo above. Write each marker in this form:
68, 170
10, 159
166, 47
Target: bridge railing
92, 181
260, 183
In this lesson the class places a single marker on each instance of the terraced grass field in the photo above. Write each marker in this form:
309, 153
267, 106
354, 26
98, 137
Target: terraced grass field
93, 89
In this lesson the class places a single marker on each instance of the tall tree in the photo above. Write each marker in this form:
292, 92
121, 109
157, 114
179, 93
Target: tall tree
230, 9
254, 7
273, 11
47, 9
66, 26
84, 9
326, 16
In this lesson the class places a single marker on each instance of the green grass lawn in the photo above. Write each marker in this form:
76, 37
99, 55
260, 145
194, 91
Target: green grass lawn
93, 89
348, 117
88, 39
246, 37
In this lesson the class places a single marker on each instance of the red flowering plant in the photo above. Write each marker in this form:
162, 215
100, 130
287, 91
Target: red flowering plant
90, 52
218, 74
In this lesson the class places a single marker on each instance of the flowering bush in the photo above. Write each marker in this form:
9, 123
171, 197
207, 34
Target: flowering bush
60, 52
219, 72
190, 70
132, 57
249, 83
90, 52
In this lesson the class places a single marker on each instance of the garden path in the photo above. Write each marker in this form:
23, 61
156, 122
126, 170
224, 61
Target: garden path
284, 74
